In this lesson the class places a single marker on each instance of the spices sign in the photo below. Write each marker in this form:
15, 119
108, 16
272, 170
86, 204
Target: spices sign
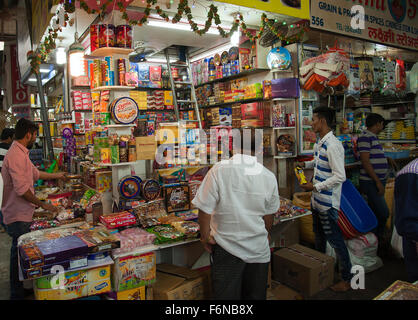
292, 8
390, 22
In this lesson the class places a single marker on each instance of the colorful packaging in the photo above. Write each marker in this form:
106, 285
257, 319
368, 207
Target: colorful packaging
131, 77
124, 110
107, 35
300, 175
177, 198
94, 37
77, 284
134, 271
122, 72
117, 220
124, 36
133, 294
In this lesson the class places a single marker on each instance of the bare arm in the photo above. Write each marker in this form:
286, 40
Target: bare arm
367, 166
205, 237
51, 176
30, 197
268, 221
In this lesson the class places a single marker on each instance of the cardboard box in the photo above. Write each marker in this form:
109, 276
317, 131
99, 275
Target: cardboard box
133, 294
133, 272
77, 284
281, 292
145, 148
179, 283
303, 269
289, 236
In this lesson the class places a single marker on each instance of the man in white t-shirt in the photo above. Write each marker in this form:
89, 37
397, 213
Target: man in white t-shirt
237, 201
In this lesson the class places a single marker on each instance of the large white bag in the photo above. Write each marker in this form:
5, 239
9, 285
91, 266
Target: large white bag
396, 243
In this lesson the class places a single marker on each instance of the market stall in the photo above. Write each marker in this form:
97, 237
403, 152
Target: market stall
141, 122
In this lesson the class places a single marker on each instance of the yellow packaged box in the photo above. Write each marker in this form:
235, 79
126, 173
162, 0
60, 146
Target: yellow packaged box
134, 271
77, 284
133, 294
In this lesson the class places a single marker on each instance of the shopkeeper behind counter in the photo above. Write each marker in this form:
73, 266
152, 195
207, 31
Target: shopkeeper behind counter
19, 202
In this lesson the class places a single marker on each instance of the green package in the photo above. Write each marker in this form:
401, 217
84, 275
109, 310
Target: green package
114, 151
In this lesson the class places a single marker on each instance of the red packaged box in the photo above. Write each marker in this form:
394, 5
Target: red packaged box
250, 111
155, 73
118, 220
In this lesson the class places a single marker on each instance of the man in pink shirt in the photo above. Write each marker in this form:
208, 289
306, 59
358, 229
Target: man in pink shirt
19, 201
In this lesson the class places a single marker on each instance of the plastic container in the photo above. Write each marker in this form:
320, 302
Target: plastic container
356, 210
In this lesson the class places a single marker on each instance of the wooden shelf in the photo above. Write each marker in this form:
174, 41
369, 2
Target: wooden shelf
235, 76
109, 51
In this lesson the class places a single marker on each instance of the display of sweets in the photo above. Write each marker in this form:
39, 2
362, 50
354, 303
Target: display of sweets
109, 35
133, 238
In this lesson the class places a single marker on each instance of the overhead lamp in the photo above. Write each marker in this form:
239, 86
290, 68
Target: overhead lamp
76, 55
235, 38
61, 56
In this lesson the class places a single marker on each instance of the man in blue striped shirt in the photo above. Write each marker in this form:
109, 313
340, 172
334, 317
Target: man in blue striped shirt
374, 171
329, 175
406, 216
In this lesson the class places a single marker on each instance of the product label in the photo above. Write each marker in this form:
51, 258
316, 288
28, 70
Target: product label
79, 263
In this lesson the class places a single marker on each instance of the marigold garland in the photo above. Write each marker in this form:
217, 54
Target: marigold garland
183, 8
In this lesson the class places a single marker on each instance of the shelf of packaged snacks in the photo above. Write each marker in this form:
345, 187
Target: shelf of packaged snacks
50, 120
380, 104
233, 102
149, 88
108, 51
152, 247
120, 88
398, 140
235, 76
38, 108
91, 264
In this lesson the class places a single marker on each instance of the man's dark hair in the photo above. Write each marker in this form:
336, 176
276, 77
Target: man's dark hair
7, 133
373, 119
24, 126
325, 113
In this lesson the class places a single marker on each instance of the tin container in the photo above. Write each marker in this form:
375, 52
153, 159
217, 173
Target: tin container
94, 37
124, 36
107, 36
121, 72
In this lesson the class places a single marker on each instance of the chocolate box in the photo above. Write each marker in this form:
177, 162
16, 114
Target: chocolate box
177, 198
41, 271
285, 88
53, 251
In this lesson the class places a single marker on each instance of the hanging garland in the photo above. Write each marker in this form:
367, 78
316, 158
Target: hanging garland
183, 8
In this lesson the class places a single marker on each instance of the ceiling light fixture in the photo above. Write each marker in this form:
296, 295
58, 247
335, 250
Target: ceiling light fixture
61, 56
212, 52
76, 54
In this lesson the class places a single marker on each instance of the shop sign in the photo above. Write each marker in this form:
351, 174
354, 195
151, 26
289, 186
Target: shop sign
390, 22
20, 93
292, 8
